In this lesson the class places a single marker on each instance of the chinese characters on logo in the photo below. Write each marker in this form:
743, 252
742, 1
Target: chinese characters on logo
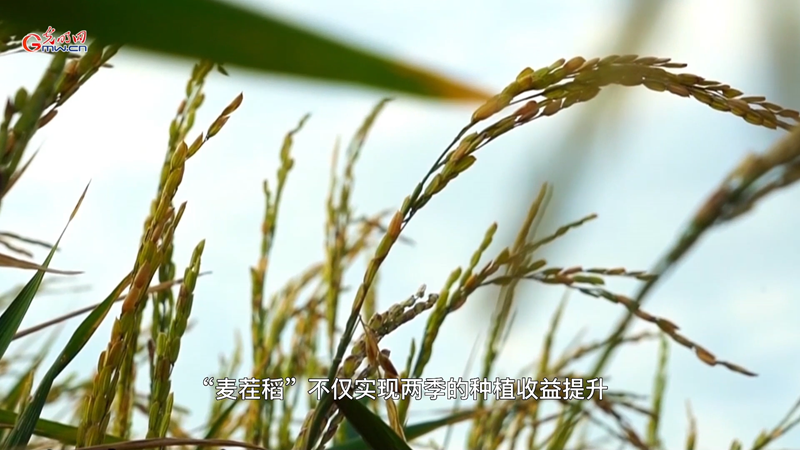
47, 42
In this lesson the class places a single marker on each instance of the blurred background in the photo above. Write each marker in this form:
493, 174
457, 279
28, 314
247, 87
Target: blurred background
643, 161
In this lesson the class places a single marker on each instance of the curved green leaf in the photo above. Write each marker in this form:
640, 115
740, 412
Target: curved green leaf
225, 33
28, 419
373, 430
13, 315
348, 433
65, 434
26, 423
412, 431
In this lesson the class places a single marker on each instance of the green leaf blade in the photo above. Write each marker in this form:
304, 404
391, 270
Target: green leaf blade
65, 434
374, 431
28, 419
228, 34
13, 315
412, 432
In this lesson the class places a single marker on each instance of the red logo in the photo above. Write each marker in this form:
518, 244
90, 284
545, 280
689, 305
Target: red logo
48, 43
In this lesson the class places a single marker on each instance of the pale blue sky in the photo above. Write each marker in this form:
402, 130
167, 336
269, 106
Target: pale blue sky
734, 293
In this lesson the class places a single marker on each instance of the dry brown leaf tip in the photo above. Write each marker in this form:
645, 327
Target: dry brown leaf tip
10, 261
